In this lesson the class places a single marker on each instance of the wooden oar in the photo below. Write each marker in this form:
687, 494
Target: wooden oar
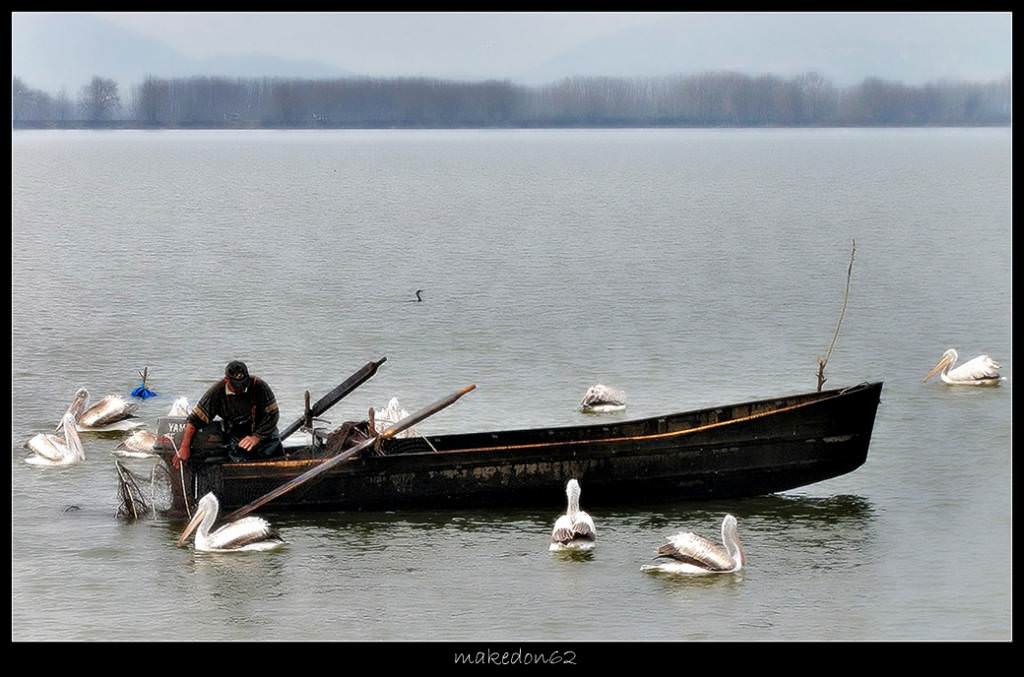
332, 398
393, 430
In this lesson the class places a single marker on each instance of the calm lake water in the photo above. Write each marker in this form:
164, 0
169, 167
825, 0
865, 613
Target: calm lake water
687, 267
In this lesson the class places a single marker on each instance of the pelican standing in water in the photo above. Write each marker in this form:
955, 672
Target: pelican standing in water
601, 399
110, 413
49, 449
575, 529
248, 533
140, 443
981, 371
690, 553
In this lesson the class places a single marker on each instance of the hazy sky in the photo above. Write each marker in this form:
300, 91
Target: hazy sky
58, 49
447, 44
477, 44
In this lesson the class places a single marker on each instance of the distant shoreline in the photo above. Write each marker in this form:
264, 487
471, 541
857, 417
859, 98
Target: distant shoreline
709, 100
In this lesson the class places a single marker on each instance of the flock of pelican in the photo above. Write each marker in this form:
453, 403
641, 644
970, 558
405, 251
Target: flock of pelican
110, 414
685, 552
113, 413
141, 442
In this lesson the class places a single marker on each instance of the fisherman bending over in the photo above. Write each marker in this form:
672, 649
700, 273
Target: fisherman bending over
249, 410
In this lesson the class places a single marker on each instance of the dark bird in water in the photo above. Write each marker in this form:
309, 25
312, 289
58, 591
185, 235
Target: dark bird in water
418, 298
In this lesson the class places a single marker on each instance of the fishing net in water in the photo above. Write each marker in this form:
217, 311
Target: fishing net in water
140, 495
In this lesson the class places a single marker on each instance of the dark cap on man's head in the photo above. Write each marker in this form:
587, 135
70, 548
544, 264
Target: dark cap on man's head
236, 370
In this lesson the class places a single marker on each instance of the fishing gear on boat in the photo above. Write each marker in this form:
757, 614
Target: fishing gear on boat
133, 505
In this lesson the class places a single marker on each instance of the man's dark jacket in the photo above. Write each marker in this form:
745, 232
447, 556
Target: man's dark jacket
253, 412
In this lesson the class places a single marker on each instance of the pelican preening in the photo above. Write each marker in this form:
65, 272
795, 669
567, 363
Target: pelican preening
110, 413
248, 533
391, 414
141, 442
601, 398
180, 407
137, 445
575, 529
690, 553
981, 371
49, 449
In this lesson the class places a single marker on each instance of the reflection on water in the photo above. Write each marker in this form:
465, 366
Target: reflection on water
821, 533
226, 566
775, 507
840, 509
573, 555
674, 582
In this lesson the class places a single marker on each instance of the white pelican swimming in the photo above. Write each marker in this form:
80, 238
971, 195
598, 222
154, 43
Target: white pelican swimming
140, 443
137, 445
575, 529
49, 449
110, 413
601, 398
691, 553
248, 533
981, 371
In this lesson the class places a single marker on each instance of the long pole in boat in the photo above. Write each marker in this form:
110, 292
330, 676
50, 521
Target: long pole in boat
332, 398
391, 431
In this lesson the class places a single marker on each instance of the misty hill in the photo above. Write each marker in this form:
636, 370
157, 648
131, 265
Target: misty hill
846, 48
65, 50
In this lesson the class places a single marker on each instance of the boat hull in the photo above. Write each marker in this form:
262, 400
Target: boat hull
747, 449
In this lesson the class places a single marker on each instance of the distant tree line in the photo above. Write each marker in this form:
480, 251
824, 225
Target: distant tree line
97, 102
708, 99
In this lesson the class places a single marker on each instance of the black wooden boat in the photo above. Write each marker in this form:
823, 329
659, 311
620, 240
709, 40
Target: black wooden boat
736, 450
